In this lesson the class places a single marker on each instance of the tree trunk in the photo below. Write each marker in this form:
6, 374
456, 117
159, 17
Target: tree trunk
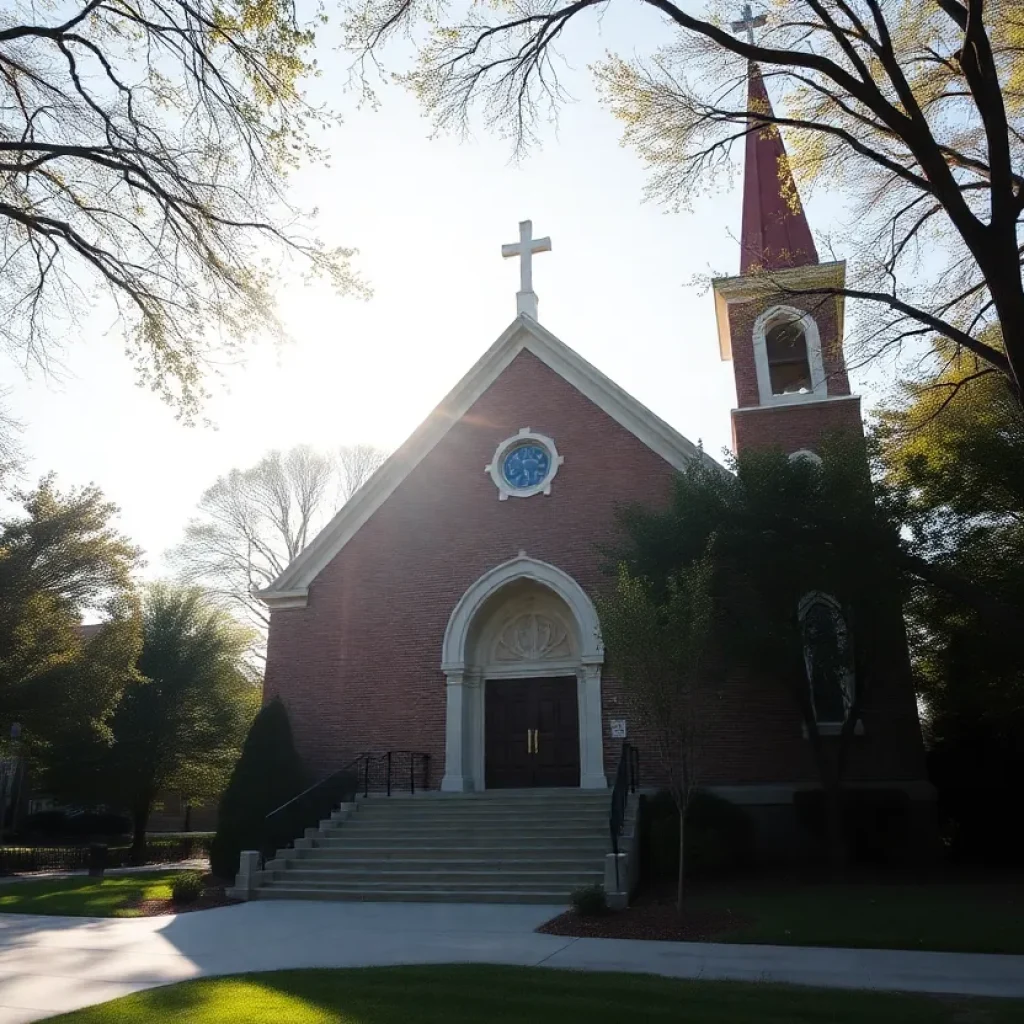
187, 824
1000, 263
834, 827
682, 861
140, 819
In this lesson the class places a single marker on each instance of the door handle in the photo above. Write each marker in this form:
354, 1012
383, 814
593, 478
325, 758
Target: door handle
536, 740
531, 741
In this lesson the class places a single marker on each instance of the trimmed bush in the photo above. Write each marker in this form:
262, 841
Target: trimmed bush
589, 901
77, 824
268, 773
876, 822
187, 887
46, 823
719, 837
979, 774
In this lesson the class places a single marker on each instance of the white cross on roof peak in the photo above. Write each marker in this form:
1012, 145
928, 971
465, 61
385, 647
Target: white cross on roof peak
748, 23
526, 298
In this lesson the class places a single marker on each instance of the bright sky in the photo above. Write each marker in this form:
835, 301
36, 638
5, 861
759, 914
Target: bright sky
429, 218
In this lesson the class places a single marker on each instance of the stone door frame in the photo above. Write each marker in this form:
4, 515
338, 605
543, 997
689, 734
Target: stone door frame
464, 722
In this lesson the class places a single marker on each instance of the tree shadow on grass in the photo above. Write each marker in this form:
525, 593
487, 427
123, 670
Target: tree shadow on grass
82, 896
463, 994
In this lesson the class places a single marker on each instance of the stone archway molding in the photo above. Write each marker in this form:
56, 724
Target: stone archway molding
464, 722
453, 651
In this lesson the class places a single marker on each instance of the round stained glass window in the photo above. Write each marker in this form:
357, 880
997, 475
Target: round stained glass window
526, 465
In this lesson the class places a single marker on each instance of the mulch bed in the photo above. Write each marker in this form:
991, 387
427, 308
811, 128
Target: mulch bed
213, 896
650, 918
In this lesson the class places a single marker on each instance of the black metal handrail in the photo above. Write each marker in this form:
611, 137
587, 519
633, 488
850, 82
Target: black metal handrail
626, 777
386, 772
369, 772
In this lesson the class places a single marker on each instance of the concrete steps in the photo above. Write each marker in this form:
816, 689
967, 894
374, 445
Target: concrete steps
303, 860
531, 846
412, 895
480, 876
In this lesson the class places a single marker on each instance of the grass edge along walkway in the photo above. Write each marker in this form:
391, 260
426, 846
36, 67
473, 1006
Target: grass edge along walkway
82, 896
473, 994
949, 917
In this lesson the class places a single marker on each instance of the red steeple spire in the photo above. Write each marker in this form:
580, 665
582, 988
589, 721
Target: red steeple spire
775, 232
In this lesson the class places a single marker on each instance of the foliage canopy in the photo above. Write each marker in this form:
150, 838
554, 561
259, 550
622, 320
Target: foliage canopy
144, 150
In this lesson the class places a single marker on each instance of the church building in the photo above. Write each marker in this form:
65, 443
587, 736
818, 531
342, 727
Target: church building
449, 607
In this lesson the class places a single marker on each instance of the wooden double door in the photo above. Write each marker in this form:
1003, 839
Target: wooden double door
531, 733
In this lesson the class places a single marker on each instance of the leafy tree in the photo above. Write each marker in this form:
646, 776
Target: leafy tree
253, 522
144, 149
656, 644
780, 531
951, 451
268, 774
11, 452
61, 557
911, 111
181, 725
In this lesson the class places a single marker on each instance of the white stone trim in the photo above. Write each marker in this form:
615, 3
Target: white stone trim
812, 339
806, 455
523, 334
767, 285
588, 700
286, 598
505, 489
828, 727
522, 567
809, 400
464, 716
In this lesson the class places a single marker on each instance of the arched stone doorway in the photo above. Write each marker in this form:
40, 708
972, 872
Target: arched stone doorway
524, 636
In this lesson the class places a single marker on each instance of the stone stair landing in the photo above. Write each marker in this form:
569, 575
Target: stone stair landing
502, 846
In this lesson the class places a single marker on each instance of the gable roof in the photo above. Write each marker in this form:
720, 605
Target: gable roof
290, 589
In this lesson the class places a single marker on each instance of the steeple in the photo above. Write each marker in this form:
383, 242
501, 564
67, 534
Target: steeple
780, 320
775, 233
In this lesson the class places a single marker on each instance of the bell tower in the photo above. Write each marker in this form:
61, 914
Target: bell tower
786, 345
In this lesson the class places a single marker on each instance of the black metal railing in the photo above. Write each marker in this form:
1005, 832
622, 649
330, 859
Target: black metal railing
627, 775
391, 771
26, 859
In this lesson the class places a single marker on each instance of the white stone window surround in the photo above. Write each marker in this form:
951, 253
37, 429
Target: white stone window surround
831, 728
495, 469
819, 383
465, 683
806, 455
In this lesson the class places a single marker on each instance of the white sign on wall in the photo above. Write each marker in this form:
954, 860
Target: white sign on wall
618, 728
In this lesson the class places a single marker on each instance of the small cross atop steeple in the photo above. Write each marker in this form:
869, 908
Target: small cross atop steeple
748, 23
526, 298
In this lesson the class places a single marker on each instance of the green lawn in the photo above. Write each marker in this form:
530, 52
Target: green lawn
976, 918
493, 995
82, 896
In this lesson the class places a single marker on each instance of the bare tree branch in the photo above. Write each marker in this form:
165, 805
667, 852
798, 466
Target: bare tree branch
144, 150
253, 522
912, 112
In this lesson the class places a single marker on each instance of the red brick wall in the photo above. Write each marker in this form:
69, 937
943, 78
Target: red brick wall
794, 427
359, 667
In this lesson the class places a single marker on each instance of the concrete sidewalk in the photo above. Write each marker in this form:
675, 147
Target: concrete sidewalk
51, 964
